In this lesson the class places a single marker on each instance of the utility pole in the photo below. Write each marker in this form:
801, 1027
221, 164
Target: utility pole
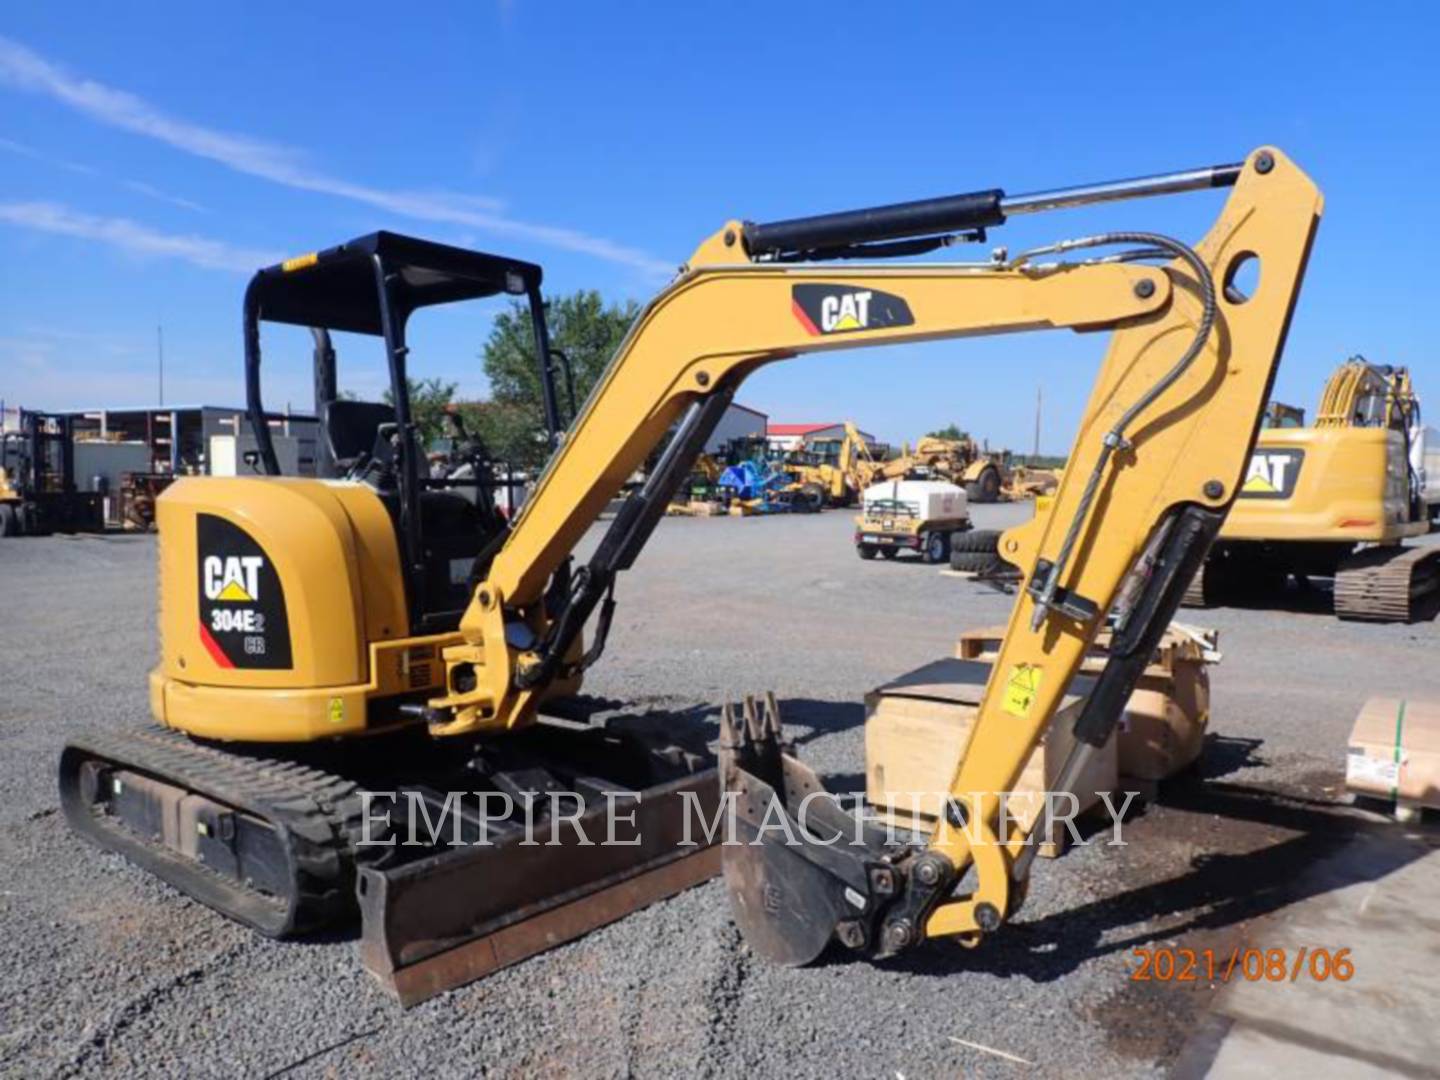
1039, 392
160, 358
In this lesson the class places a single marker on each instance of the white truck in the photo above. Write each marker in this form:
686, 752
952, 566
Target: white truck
910, 515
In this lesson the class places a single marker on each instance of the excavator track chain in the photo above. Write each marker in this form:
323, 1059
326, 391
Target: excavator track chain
263, 839
1386, 584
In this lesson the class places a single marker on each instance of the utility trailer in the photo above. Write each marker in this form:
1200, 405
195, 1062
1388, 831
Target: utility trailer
922, 516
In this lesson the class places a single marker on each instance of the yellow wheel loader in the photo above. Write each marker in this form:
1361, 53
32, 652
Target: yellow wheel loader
303, 619
1336, 499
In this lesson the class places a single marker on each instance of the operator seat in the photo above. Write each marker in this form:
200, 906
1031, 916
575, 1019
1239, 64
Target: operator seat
452, 528
351, 427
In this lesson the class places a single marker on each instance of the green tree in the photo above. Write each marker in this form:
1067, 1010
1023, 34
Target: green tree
584, 328
949, 431
429, 398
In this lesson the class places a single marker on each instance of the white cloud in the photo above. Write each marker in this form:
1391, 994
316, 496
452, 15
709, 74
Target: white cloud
149, 191
134, 238
13, 147
26, 70
10, 146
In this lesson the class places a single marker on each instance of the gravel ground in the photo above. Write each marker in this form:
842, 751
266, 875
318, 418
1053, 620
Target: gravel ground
106, 969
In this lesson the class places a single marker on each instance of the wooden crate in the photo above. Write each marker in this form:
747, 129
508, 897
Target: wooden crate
1394, 753
1163, 729
918, 726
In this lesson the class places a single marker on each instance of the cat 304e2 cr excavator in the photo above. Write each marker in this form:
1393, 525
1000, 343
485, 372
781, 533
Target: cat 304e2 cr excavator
303, 618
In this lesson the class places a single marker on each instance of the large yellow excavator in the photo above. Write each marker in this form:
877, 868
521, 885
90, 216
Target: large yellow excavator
324, 636
1336, 499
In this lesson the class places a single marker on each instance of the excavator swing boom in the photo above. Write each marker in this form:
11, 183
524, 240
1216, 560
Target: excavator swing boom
1156, 463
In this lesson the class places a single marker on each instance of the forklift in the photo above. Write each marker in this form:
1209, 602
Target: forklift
37, 480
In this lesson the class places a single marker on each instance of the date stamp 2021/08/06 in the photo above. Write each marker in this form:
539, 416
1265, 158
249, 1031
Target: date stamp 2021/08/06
1168, 964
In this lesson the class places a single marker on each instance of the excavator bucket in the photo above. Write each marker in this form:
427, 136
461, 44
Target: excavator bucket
801, 870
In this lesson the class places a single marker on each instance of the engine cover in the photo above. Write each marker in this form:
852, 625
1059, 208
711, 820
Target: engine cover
277, 584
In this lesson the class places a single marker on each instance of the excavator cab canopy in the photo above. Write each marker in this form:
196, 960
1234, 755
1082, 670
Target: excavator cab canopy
372, 286
337, 288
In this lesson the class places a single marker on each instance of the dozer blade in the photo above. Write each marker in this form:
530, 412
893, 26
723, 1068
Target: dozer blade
801, 870
521, 884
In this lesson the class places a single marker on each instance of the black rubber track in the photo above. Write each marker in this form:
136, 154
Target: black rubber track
317, 815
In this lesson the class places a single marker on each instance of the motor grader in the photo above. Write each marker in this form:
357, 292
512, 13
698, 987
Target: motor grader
986, 476
1336, 500
380, 631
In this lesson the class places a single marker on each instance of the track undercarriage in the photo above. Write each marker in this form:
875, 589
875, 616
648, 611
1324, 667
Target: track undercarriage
1379, 583
456, 859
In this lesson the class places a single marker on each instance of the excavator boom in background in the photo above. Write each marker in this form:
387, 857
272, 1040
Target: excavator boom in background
384, 605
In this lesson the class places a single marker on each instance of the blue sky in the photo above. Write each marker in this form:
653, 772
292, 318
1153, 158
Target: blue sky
152, 155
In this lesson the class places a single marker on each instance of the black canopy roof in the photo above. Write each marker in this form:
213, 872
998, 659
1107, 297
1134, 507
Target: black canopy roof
336, 289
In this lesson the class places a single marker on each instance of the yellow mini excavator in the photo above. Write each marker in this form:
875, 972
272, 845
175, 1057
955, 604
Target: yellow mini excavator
309, 625
1335, 500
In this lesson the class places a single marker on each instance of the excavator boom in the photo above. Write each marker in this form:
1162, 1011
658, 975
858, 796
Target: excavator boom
1157, 460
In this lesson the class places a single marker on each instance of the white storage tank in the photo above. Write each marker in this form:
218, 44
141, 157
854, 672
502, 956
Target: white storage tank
927, 500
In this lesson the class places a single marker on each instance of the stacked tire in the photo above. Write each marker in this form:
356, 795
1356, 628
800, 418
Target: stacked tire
976, 551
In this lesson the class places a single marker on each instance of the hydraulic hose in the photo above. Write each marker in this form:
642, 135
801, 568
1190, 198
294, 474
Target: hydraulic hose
1155, 245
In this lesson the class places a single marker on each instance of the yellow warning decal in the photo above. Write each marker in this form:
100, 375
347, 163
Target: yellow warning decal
1020, 689
337, 710
233, 591
300, 262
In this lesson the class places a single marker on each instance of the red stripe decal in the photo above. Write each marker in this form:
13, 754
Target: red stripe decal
213, 648
810, 327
